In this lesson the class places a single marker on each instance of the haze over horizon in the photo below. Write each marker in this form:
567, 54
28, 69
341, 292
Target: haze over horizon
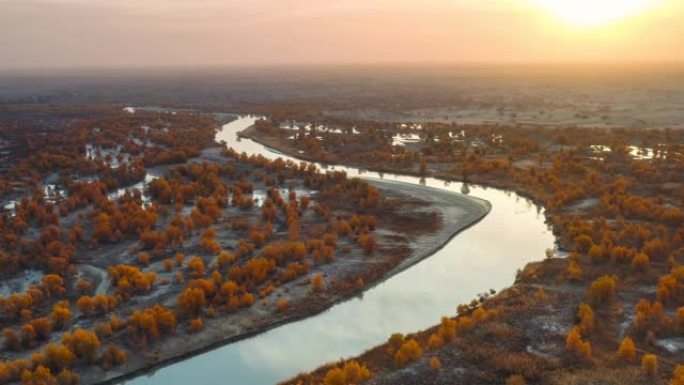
67, 34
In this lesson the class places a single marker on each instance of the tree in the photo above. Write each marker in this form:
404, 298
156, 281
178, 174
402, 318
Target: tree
42, 327
208, 241
640, 262
282, 304
350, 373
317, 283
435, 363
410, 350
583, 243
57, 357
367, 241
113, 356
196, 325
84, 286
515, 379
144, 259
627, 351
12, 341
83, 343
66, 377
86, 304
191, 301
52, 285
224, 258
151, 323
649, 365
196, 266
574, 271
596, 253
394, 342
576, 345
586, 316
602, 290
40, 376
678, 376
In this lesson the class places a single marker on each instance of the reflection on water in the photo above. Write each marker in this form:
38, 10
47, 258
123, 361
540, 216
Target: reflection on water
483, 257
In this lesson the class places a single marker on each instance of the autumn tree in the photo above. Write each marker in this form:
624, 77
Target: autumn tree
435, 363
196, 266
649, 365
113, 356
678, 376
602, 290
151, 323
57, 357
586, 316
640, 262
191, 301
627, 351
350, 373
515, 379
317, 283
578, 346
83, 343
410, 350
574, 271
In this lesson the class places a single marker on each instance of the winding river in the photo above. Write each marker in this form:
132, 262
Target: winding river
485, 256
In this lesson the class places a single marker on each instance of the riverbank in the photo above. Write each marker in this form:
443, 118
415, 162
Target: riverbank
456, 212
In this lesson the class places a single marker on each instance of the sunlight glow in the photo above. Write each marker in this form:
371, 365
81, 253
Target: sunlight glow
595, 13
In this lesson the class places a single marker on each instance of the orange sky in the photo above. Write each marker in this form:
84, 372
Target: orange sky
122, 33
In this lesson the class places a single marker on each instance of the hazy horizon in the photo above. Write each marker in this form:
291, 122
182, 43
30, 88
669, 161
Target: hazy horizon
41, 35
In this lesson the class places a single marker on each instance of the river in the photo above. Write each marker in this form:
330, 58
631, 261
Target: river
485, 256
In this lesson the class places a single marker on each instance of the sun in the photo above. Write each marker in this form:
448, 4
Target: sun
595, 13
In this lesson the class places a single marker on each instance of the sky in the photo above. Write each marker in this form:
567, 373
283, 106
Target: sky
56, 34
